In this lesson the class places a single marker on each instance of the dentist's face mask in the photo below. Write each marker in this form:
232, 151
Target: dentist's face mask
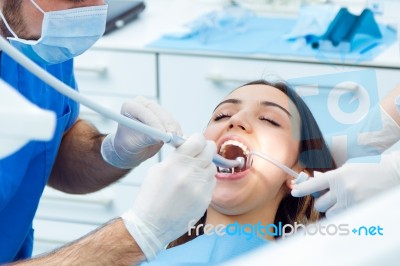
65, 34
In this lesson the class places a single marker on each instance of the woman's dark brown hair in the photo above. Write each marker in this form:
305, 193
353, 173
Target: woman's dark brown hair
314, 155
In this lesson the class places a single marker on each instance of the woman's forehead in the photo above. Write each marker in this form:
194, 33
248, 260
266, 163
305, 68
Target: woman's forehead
259, 92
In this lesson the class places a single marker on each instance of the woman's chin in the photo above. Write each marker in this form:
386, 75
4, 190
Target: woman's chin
226, 202
229, 196
225, 209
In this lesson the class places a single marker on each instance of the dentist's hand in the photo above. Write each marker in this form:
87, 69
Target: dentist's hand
352, 183
128, 148
174, 192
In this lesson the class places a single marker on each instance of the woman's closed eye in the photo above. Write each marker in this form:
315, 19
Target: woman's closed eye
221, 116
270, 120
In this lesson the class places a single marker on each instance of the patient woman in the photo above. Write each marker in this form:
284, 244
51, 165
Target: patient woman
270, 118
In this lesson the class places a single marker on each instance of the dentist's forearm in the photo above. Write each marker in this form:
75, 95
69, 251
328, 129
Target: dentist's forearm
79, 167
110, 245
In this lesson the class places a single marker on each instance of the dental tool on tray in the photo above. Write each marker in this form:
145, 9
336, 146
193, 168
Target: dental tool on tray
168, 138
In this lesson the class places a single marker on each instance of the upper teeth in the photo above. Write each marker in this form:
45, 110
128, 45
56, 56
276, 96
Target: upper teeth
234, 143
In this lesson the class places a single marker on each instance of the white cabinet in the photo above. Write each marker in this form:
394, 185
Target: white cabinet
57, 234
62, 218
117, 73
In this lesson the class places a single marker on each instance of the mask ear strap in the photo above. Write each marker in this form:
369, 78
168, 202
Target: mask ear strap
8, 26
38, 7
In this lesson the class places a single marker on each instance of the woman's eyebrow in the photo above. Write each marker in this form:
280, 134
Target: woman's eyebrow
234, 101
267, 103
264, 103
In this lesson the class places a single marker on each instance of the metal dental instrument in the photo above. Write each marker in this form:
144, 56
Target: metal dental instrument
167, 138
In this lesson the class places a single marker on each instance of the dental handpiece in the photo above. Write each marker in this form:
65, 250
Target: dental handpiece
64, 89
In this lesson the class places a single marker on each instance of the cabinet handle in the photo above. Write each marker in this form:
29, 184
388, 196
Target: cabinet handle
109, 93
103, 201
89, 113
98, 70
50, 241
218, 78
95, 118
325, 86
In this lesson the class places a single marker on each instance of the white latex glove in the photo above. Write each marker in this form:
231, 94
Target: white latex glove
174, 192
128, 148
352, 183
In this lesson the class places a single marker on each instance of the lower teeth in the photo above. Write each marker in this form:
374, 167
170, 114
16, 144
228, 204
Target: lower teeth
226, 170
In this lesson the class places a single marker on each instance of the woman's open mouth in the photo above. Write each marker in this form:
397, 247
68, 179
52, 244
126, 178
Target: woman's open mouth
232, 149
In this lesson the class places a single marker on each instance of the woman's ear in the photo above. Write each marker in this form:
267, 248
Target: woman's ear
290, 181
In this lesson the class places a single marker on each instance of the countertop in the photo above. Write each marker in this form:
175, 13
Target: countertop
162, 16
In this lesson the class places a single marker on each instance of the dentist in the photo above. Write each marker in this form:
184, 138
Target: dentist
81, 160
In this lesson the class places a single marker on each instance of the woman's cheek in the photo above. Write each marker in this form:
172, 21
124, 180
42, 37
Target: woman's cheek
278, 148
211, 133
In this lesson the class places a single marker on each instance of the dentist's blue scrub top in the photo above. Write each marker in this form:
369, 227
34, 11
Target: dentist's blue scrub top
24, 174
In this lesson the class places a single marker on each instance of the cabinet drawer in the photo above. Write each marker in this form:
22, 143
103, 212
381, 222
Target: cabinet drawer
116, 73
91, 209
50, 235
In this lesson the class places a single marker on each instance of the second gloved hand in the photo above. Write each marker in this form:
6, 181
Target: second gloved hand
174, 192
352, 183
127, 148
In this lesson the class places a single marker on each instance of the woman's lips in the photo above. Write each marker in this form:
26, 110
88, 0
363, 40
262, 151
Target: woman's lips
232, 176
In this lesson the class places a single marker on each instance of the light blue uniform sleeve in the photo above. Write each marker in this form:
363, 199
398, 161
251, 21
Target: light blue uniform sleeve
397, 103
374, 135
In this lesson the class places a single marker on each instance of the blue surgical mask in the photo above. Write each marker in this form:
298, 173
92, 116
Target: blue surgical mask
65, 34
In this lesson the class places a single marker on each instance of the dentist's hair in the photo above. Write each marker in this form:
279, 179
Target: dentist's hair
314, 155
11, 9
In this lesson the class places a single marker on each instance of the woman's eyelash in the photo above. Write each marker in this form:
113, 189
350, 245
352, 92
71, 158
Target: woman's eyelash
221, 116
270, 121
227, 115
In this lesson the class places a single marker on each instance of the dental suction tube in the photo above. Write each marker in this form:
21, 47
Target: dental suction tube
300, 177
64, 89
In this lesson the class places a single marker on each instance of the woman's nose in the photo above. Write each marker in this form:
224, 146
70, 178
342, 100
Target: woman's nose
239, 121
